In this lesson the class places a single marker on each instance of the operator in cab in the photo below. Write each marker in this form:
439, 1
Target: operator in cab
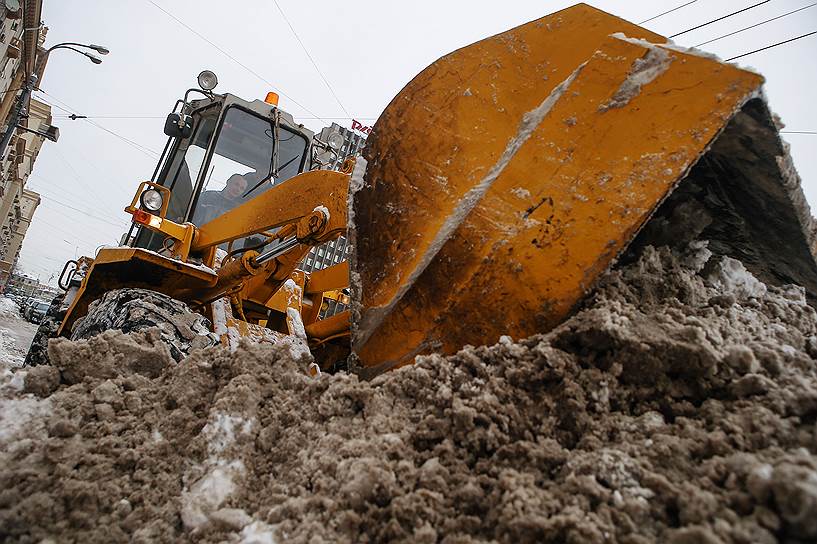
213, 203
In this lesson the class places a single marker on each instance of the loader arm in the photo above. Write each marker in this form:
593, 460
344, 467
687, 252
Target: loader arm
310, 208
285, 204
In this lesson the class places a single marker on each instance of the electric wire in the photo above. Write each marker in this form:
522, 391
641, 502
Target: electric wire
75, 174
120, 226
46, 257
770, 46
45, 190
86, 214
337, 118
721, 18
232, 58
38, 177
58, 116
146, 150
312, 60
43, 185
44, 193
59, 228
798, 132
125, 117
654, 17
755, 25
50, 185
38, 268
73, 170
68, 109
105, 172
133, 144
72, 240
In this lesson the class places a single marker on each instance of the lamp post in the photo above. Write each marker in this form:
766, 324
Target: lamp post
31, 84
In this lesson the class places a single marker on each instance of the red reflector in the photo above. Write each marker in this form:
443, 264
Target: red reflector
141, 216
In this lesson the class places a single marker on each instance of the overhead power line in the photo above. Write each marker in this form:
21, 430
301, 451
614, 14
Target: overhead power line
770, 46
68, 109
721, 18
105, 198
72, 117
37, 270
121, 117
337, 118
232, 58
666, 12
798, 132
58, 228
756, 25
72, 170
326, 82
146, 150
141, 117
44, 186
92, 216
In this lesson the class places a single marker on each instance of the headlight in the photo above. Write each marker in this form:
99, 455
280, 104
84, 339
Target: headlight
151, 200
335, 140
207, 80
324, 157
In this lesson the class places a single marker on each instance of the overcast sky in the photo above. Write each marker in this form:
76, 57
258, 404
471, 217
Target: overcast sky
367, 50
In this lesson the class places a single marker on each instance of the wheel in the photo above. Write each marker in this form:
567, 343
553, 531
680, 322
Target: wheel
38, 351
134, 310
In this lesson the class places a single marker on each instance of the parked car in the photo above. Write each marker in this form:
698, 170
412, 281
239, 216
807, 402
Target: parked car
28, 305
25, 304
36, 311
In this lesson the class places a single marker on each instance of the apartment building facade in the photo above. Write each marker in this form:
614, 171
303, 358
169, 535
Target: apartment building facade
21, 55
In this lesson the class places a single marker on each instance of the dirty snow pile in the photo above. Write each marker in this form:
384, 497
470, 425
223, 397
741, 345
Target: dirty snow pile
8, 308
10, 354
679, 406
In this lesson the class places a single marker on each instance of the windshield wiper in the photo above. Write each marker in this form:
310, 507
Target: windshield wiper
270, 176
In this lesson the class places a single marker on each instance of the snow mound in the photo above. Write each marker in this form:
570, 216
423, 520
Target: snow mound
9, 353
677, 406
8, 309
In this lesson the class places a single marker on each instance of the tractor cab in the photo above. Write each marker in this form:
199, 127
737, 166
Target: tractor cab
223, 151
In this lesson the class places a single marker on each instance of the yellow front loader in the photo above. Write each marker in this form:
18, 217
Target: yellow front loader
494, 191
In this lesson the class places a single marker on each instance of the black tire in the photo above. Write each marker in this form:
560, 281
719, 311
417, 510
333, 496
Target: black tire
38, 351
135, 310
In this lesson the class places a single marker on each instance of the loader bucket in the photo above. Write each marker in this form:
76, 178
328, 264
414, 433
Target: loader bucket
509, 175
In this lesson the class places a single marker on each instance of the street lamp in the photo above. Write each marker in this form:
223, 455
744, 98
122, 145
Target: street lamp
50, 133
94, 59
101, 49
31, 84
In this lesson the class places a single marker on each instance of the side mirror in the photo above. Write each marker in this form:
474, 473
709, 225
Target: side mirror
178, 125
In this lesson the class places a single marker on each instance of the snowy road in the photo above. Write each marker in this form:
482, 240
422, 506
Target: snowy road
15, 336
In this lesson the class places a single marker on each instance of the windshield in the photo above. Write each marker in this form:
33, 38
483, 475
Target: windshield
243, 164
